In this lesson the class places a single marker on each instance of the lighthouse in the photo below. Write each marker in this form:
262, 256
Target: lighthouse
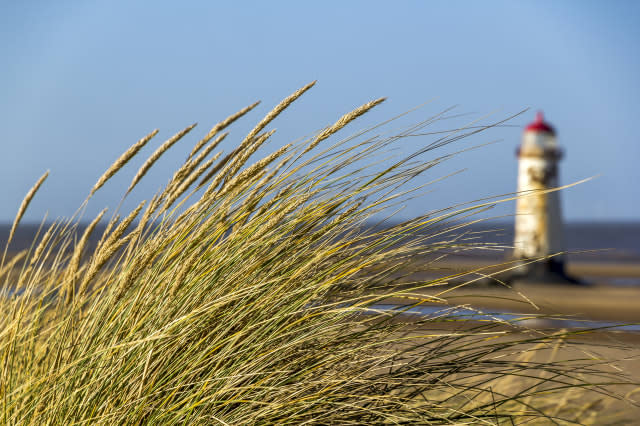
538, 220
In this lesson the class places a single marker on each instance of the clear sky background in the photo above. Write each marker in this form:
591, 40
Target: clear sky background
82, 80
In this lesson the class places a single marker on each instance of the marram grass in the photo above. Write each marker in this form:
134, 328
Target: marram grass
253, 300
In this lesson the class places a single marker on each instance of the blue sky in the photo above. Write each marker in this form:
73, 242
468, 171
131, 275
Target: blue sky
82, 80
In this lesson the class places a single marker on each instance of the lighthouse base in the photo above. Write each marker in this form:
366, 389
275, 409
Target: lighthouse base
548, 271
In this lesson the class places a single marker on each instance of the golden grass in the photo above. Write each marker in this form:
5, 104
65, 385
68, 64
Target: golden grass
342, 122
256, 301
25, 203
78, 250
121, 161
220, 127
157, 154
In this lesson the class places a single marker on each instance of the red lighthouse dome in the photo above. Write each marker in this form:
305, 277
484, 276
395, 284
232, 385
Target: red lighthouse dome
539, 125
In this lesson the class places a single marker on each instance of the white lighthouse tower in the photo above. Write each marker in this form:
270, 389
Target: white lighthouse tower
538, 221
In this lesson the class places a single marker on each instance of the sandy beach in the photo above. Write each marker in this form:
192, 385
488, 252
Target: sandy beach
613, 403
548, 307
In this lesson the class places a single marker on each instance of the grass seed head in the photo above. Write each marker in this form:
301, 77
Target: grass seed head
157, 154
221, 126
121, 161
23, 206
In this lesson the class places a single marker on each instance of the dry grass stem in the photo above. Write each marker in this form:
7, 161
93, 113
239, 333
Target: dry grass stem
110, 244
189, 181
122, 226
157, 154
37, 253
121, 161
342, 122
23, 206
274, 113
271, 115
103, 257
12, 262
107, 231
205, 152
74, 263
244, 155
251, 171
187, 168
221, 126
216, 169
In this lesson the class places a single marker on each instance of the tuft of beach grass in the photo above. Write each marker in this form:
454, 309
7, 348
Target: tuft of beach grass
261, 300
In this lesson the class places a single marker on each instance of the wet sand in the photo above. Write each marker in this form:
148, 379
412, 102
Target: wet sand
598, 301
602, 269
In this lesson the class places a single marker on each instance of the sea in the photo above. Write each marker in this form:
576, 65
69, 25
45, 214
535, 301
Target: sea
588, 242
601, 241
